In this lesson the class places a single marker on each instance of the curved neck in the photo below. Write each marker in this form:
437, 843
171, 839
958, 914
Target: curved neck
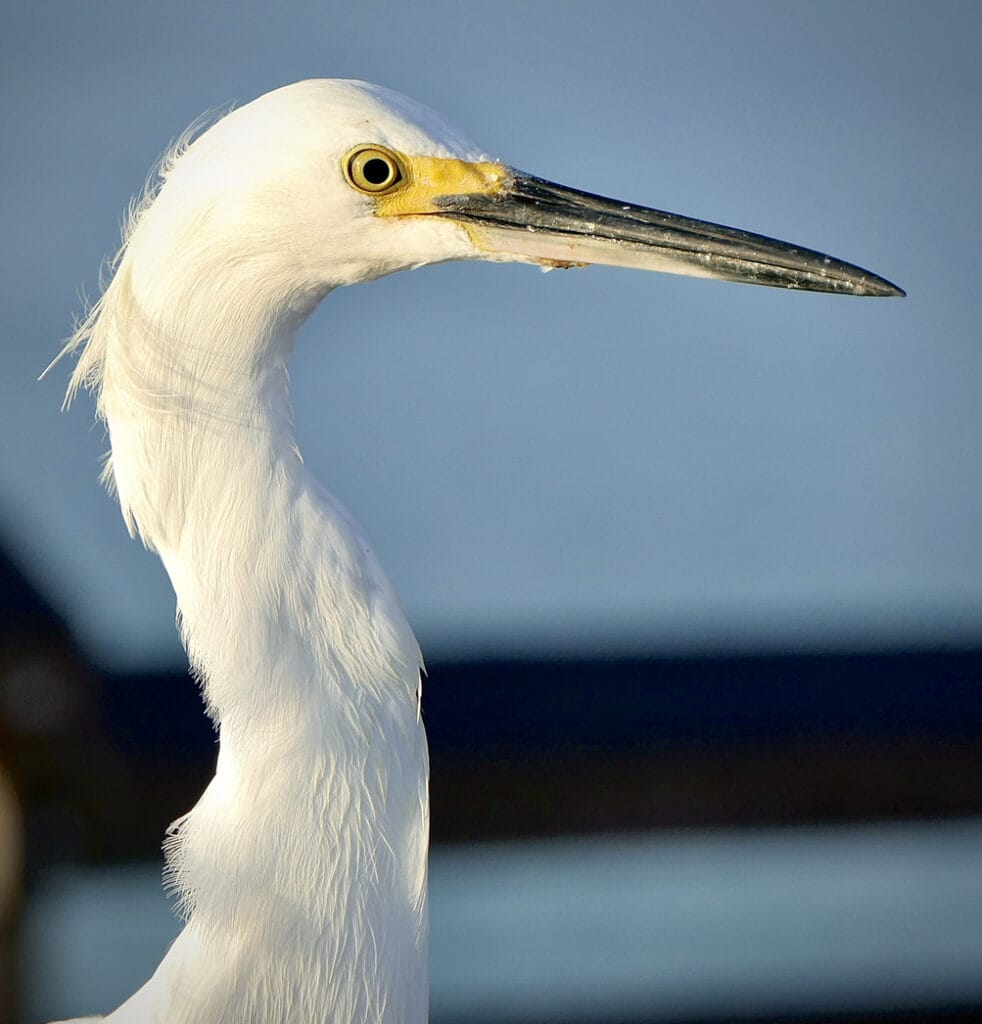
306, 856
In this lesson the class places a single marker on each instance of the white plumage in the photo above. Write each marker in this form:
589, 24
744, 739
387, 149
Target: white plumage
302, 869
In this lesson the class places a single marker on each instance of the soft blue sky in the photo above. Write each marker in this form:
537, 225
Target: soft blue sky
579, 460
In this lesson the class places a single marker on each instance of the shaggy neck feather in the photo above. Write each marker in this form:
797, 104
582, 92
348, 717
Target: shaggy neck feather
303, 866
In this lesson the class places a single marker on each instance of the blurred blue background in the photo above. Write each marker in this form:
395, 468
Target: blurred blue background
586, 464
583, 458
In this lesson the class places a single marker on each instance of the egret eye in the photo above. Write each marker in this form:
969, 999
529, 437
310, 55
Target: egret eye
373, 169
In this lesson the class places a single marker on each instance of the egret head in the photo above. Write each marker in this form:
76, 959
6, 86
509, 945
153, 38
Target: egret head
329, 182
274, 200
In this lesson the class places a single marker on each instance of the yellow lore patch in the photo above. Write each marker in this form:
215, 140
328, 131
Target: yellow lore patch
424, 178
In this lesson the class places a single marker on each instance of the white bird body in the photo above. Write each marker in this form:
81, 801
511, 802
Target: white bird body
303, 866
302, 869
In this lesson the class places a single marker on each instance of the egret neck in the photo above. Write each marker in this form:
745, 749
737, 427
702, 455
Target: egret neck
302, 869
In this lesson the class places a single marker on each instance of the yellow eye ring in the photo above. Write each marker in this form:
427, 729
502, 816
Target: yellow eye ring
373, 169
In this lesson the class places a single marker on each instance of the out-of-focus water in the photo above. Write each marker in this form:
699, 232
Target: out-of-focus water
679, 925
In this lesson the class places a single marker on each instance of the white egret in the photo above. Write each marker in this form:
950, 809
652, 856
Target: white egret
302, 869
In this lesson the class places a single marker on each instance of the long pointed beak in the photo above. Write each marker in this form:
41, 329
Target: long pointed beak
527, 218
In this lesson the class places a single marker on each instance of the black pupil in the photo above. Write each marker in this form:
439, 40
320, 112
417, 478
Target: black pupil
376, 171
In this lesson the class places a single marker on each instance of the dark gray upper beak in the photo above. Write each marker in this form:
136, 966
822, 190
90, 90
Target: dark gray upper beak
530, 218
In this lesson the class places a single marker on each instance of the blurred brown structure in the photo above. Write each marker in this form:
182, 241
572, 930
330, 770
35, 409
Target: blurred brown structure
93, 766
